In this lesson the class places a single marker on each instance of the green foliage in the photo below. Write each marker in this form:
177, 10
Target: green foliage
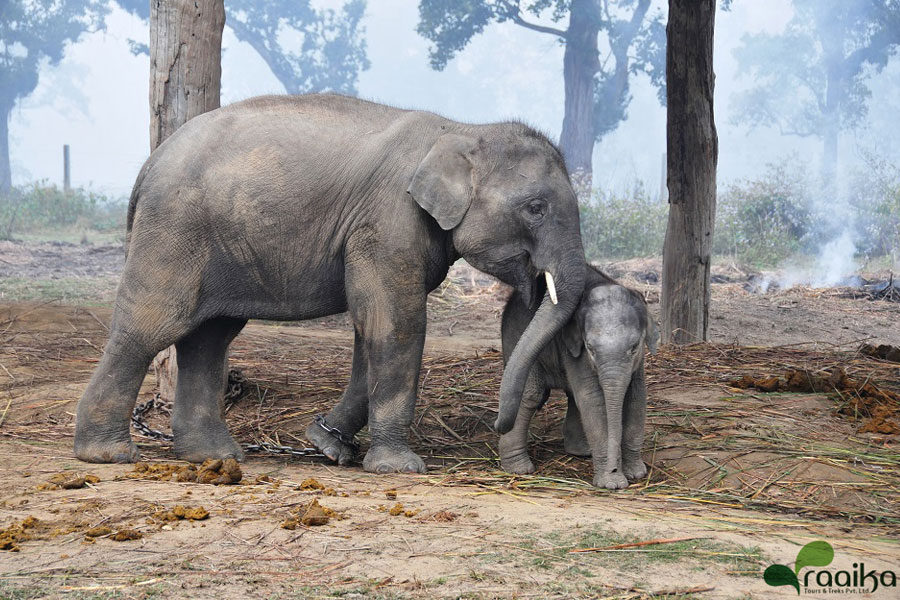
632, 38
814, 75
43, 207
623, 225
875, 198
308, 49
34, 33
761, 222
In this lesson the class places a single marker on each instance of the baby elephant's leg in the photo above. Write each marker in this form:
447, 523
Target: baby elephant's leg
633, 431
514, 445
574, 440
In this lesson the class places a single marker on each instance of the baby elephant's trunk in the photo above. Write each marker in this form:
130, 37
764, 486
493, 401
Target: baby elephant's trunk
614, 386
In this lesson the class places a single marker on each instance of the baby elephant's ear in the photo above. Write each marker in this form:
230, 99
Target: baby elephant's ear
571, 335
442, 184
651, 336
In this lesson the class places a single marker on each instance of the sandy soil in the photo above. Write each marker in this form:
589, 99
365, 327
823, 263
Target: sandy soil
739, 480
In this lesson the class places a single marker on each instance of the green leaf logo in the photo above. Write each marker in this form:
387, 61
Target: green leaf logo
814, 554
777, 575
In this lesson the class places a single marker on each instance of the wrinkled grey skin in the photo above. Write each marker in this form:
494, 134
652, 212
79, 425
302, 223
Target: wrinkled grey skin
296, 207
598, 360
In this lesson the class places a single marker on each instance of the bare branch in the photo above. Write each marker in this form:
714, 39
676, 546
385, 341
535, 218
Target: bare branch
516, 17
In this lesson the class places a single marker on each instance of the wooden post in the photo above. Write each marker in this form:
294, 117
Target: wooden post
692, 148
67, 176
185, 81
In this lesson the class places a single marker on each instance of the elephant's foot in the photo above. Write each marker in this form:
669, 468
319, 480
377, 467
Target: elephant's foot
576, 447
519, 465
384, 459
98, 450
514, 454
329, 445
611, 479
634, 468
196, 444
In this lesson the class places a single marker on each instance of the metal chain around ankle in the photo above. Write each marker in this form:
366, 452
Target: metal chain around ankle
140, 412
236, 390
347, 440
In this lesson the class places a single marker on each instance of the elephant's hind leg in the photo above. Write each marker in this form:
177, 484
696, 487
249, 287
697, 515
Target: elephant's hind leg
350, 414
103, 416
198, 415
574, 440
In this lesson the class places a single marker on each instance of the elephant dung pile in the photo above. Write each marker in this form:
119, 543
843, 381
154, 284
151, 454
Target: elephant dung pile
180, 513
16, 533
213, 471
122, 535
311, 514
882, 351
68, 481
861, 400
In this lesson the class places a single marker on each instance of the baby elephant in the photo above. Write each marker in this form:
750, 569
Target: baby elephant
598, 360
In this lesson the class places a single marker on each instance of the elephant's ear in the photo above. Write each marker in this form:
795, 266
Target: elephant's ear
442, 184
651, 331
571, 335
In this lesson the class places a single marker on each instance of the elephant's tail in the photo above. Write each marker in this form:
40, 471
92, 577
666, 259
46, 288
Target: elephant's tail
132, 204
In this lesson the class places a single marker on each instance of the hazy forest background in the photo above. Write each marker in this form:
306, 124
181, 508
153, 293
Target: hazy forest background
806, 105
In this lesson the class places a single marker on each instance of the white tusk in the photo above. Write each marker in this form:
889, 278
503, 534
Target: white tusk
551, 287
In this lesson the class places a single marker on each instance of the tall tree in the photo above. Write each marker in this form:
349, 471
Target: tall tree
692, 150
34, 33
812, 79
596, 86
185, 79
307, 49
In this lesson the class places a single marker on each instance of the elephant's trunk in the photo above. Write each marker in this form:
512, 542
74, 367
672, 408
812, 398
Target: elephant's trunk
614, 387
568, 277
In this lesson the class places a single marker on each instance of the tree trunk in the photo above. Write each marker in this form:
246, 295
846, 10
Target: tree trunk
580, 64
185, 81
5, 172
692, 147
831, 114
185, 62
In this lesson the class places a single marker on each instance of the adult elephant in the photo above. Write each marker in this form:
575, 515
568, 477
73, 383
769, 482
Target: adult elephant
297, 207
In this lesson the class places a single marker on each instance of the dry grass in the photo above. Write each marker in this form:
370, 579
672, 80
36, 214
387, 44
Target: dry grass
786, 453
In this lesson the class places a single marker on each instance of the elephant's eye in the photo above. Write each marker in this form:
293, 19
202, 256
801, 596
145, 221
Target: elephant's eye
536, 208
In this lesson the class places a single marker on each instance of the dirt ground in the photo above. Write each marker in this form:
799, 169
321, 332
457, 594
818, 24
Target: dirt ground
739, 479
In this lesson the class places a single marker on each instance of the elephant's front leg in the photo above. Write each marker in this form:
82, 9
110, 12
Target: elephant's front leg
591, 403
350, 414
386, 297
394, 348
634, 418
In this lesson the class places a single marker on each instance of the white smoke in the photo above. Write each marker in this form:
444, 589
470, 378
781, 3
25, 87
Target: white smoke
835, 261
